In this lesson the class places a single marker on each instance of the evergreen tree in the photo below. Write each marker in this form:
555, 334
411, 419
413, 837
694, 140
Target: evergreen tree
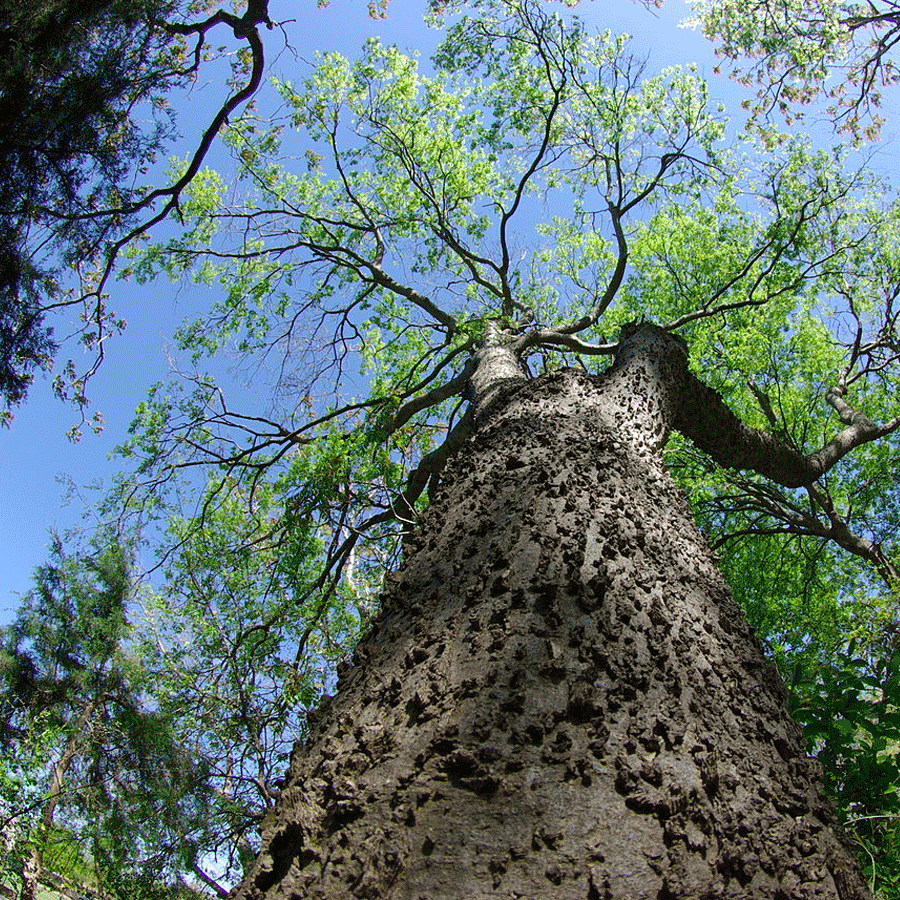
89, 773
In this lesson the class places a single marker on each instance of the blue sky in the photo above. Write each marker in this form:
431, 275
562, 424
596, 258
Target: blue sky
34, 452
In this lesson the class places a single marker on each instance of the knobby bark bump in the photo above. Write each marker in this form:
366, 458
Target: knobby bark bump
559, 699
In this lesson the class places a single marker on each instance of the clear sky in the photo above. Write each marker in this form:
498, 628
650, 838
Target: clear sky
34, 452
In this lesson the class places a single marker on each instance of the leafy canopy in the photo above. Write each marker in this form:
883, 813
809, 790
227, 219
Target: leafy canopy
799, 51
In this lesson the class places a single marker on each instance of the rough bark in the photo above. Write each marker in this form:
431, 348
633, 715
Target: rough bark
560, 699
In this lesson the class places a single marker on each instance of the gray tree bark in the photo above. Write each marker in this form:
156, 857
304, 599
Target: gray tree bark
559, 699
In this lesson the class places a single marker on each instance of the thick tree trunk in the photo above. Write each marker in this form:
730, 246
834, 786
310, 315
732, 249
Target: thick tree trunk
560, 699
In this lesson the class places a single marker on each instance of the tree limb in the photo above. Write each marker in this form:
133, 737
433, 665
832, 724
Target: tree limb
707, 421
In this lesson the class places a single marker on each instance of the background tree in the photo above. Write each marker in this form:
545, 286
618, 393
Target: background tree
97, 793
238, 654
145, 767
84, 114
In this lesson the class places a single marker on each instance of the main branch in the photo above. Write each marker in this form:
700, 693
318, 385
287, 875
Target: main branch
708, 422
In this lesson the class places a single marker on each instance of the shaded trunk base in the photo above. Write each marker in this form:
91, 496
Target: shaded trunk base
559, 700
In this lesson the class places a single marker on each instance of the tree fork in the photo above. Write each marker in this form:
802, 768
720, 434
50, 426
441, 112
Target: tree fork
559, 697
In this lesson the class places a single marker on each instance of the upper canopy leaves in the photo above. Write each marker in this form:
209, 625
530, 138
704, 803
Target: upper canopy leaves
797, 51
533, 179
